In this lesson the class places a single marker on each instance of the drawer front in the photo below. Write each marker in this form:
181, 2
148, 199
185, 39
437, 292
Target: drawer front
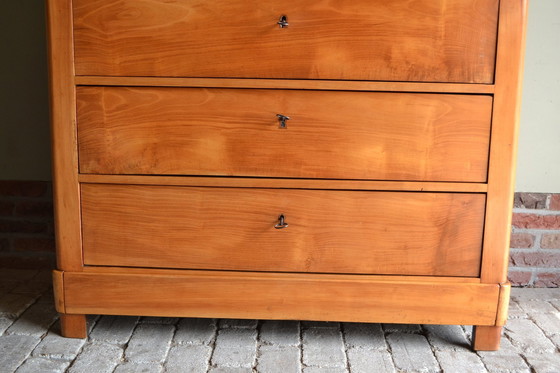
397, 40
236, 132
328, 231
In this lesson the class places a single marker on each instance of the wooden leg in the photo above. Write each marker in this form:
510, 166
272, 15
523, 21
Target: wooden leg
73, 326
486, 338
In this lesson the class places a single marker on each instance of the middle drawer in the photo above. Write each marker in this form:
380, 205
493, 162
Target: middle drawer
238, 132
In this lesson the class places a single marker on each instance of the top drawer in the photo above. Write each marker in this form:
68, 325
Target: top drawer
396, 40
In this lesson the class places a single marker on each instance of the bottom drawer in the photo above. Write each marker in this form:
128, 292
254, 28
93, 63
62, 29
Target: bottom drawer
328, 231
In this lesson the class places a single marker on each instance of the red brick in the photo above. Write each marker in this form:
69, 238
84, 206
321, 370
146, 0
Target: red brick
34, 244
19, 226
533, 221
6, 208
16, 188
550, 241
555, 202
34, 209
548, 280
530, 200
535, 259
519, 278
522, 240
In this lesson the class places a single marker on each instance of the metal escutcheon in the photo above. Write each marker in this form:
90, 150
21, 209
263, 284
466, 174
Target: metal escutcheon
281, 223
282, 119
283, 22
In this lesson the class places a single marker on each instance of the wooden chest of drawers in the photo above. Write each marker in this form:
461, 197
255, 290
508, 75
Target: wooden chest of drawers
341, 160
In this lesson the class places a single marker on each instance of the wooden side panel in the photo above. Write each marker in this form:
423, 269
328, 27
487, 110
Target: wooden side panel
397, 40
335, 135
64, 143
329, 231
262, 296
507, 98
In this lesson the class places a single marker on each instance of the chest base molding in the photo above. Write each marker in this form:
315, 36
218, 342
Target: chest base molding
254, 295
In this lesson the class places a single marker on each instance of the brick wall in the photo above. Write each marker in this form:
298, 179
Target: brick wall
27, 239
535, 240
26, 224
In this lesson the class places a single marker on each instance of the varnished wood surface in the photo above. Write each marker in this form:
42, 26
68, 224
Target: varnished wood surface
329, 231
503, 304
398, 40
264, 296
73, 325
335, 85
439, 46
66, 193
505, 125
486, 338
58, 290
239, 182
236, 132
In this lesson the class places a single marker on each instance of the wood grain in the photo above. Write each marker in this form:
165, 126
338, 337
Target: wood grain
66, 193
487, 338
73, 325
503, 304
329, 231
336, 85
274, 296
389, 237
398, 40
503, 150
251, 182
58, 290
234, 132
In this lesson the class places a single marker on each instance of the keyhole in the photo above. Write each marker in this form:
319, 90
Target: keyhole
282, 119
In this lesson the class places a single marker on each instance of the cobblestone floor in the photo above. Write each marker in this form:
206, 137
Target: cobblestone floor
30, 341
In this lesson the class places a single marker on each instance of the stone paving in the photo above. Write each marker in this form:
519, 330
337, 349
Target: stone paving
30, 341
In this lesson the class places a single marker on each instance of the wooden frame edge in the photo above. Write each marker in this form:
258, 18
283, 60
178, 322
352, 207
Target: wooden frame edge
62, 97
58, 290
503, 141
503, 304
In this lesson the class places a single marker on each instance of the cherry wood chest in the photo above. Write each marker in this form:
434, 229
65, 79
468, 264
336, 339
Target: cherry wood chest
342, 160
